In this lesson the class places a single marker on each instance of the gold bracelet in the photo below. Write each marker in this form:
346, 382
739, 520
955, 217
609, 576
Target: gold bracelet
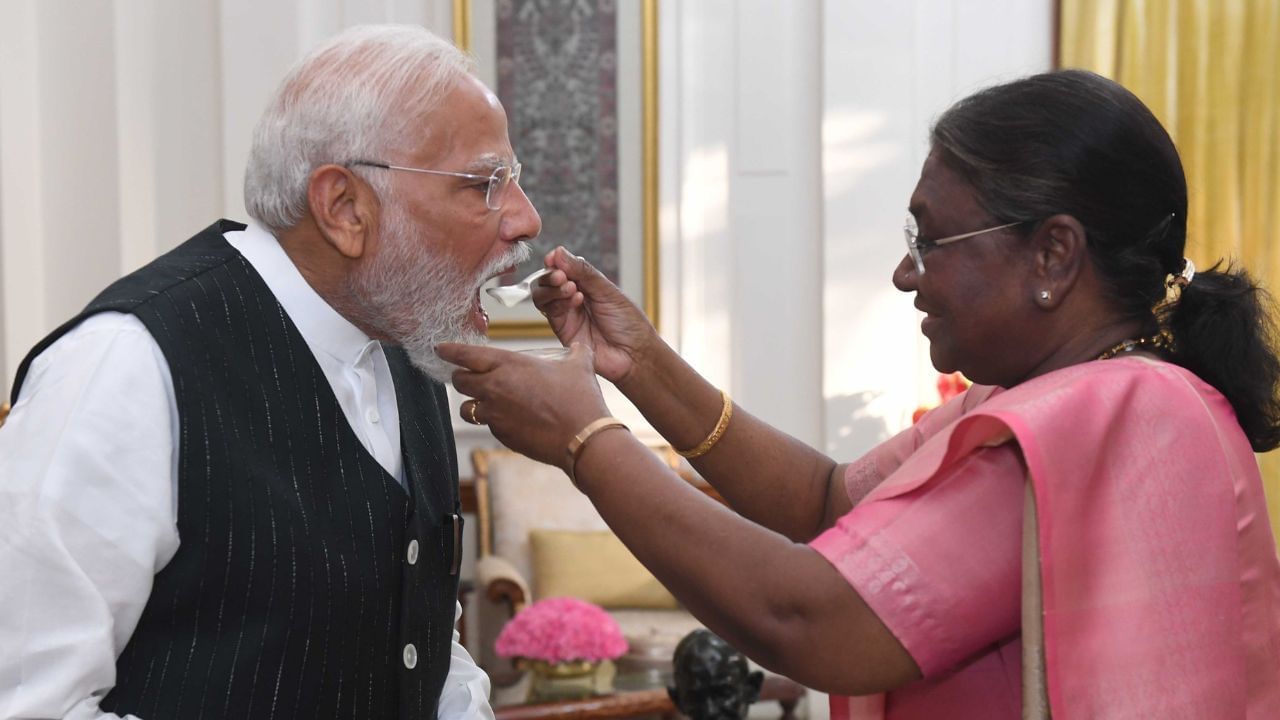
721, 425
579, 441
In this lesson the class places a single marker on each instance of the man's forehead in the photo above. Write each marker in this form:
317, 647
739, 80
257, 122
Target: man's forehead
468, 130
489, 96
464, 149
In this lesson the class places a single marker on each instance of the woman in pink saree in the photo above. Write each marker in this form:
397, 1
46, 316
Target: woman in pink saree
1082, 534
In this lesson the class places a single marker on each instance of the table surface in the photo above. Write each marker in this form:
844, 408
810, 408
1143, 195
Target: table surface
633, 703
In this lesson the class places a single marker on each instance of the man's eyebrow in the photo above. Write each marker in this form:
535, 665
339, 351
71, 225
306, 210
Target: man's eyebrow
487, 163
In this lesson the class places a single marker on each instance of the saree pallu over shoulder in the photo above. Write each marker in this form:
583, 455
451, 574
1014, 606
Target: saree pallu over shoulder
1161, 586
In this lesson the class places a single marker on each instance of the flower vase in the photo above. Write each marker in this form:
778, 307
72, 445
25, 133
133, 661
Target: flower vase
561, 680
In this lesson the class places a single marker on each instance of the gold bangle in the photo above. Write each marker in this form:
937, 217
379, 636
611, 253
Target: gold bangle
721, 425
579, 441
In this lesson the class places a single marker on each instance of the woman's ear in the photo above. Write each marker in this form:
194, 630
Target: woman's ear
1061, 249
343, 207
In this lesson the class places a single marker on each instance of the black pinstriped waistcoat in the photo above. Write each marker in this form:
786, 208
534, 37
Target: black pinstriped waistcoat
291, 595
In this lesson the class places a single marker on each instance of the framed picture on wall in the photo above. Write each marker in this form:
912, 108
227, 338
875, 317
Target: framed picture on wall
578, 80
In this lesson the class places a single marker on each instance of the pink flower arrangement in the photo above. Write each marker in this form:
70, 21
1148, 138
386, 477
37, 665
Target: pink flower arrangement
561, 629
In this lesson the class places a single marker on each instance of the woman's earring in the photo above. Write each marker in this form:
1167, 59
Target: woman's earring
1045, 295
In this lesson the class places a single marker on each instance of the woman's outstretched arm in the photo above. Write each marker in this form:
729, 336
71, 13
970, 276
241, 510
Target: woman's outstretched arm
762, 472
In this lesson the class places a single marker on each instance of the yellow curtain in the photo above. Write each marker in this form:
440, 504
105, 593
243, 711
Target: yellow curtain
1210, 70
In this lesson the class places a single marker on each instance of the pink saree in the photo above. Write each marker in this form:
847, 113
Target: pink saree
1160, 584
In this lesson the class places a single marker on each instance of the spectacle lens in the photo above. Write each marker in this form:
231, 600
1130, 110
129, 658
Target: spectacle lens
912, 233
499, 184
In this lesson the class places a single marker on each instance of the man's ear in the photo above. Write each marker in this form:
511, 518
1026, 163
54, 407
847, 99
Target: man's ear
1061, 250
343, 207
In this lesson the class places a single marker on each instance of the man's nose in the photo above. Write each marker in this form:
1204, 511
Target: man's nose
520, 220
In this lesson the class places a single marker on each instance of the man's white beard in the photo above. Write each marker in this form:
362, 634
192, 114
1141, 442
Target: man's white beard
419, 297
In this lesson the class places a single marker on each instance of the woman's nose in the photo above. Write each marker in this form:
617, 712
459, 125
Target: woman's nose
904, 275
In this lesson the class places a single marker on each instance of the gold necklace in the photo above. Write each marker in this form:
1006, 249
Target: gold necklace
1159, 341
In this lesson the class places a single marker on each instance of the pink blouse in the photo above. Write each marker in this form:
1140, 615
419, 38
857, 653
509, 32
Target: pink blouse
1161, 585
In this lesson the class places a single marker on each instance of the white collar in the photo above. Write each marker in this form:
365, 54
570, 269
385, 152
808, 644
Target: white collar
323, 329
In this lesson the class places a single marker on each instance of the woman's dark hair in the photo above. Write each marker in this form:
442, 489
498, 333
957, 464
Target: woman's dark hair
1076, 143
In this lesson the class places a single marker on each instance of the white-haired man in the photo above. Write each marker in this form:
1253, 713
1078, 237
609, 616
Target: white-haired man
228, 488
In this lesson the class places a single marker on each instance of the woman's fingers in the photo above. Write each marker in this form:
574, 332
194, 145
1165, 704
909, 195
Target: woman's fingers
545, 297
477, 365
476, 358
532, 405
471, 383
564, 288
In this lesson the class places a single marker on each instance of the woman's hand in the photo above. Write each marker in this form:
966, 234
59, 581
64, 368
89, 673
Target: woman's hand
533, 406
582, 306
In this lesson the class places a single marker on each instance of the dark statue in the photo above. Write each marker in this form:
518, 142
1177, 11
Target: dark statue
712, 680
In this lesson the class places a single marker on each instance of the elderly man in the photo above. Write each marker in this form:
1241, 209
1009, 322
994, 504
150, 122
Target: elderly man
228, 488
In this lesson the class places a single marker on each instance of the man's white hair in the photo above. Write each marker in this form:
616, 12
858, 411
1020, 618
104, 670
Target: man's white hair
356, 97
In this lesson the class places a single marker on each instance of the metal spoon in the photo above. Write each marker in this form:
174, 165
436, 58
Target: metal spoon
511, 295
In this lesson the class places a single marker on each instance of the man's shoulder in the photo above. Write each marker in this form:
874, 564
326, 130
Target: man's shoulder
107, 344
99, 331
204, 251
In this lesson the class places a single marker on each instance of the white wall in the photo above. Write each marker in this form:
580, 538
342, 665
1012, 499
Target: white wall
740, 123
889, 69
56, 82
